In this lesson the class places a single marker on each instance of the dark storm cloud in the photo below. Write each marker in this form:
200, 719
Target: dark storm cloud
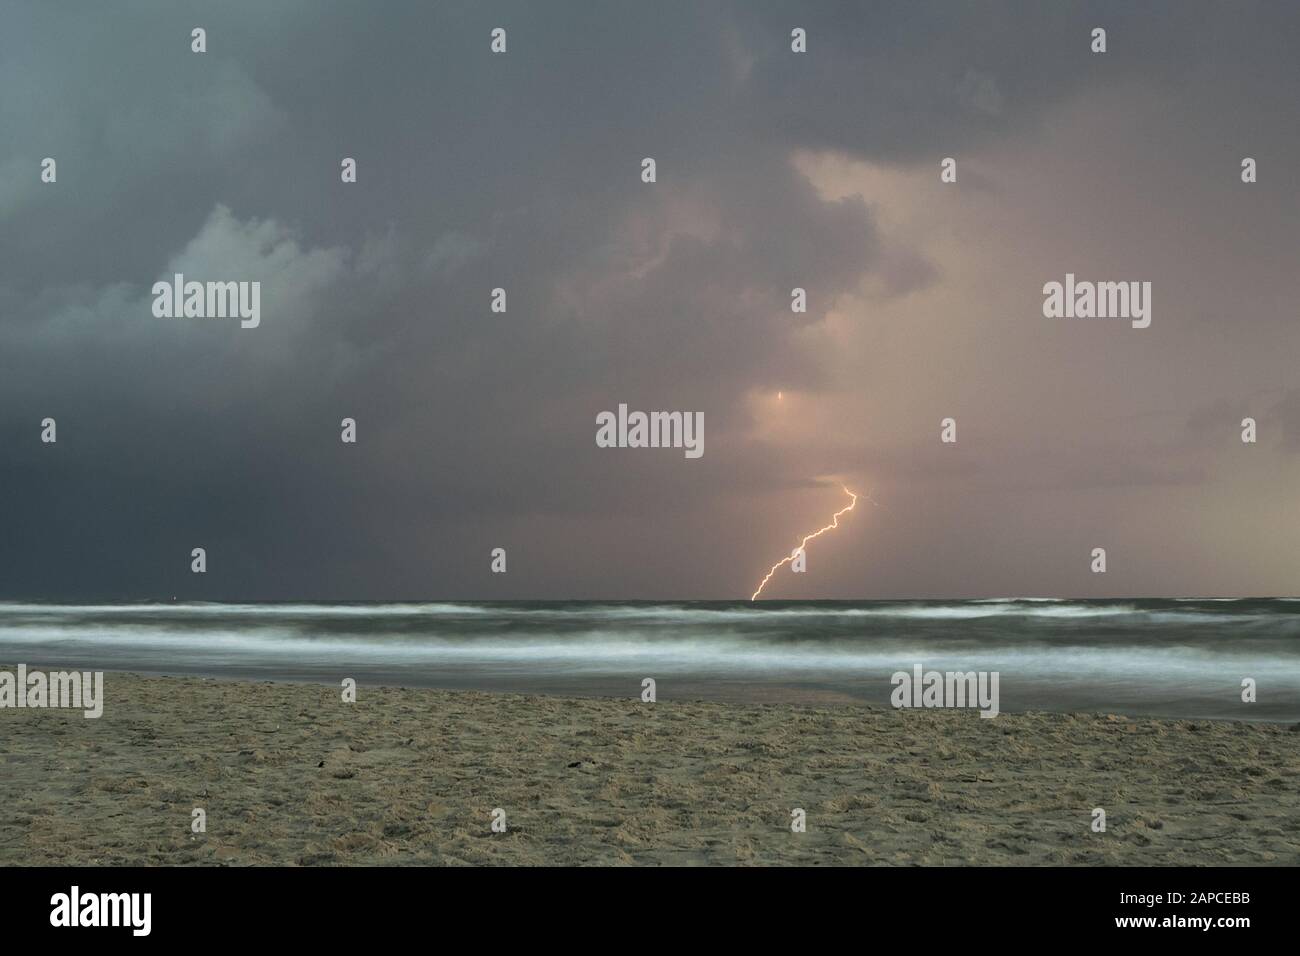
475, 171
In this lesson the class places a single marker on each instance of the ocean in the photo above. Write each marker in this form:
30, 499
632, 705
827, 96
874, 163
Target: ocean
1176, 658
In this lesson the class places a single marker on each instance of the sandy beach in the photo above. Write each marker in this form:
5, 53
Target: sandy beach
290, 774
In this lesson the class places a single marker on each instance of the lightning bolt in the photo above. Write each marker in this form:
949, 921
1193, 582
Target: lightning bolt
835, 523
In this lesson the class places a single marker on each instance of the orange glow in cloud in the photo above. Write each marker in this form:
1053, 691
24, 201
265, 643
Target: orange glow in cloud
835, 523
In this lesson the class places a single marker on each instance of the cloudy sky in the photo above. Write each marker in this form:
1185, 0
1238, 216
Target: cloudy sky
476, 429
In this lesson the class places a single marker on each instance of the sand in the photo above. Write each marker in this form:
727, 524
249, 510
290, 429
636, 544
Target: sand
289, 774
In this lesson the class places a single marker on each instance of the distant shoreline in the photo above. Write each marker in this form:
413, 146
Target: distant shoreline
695, 691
